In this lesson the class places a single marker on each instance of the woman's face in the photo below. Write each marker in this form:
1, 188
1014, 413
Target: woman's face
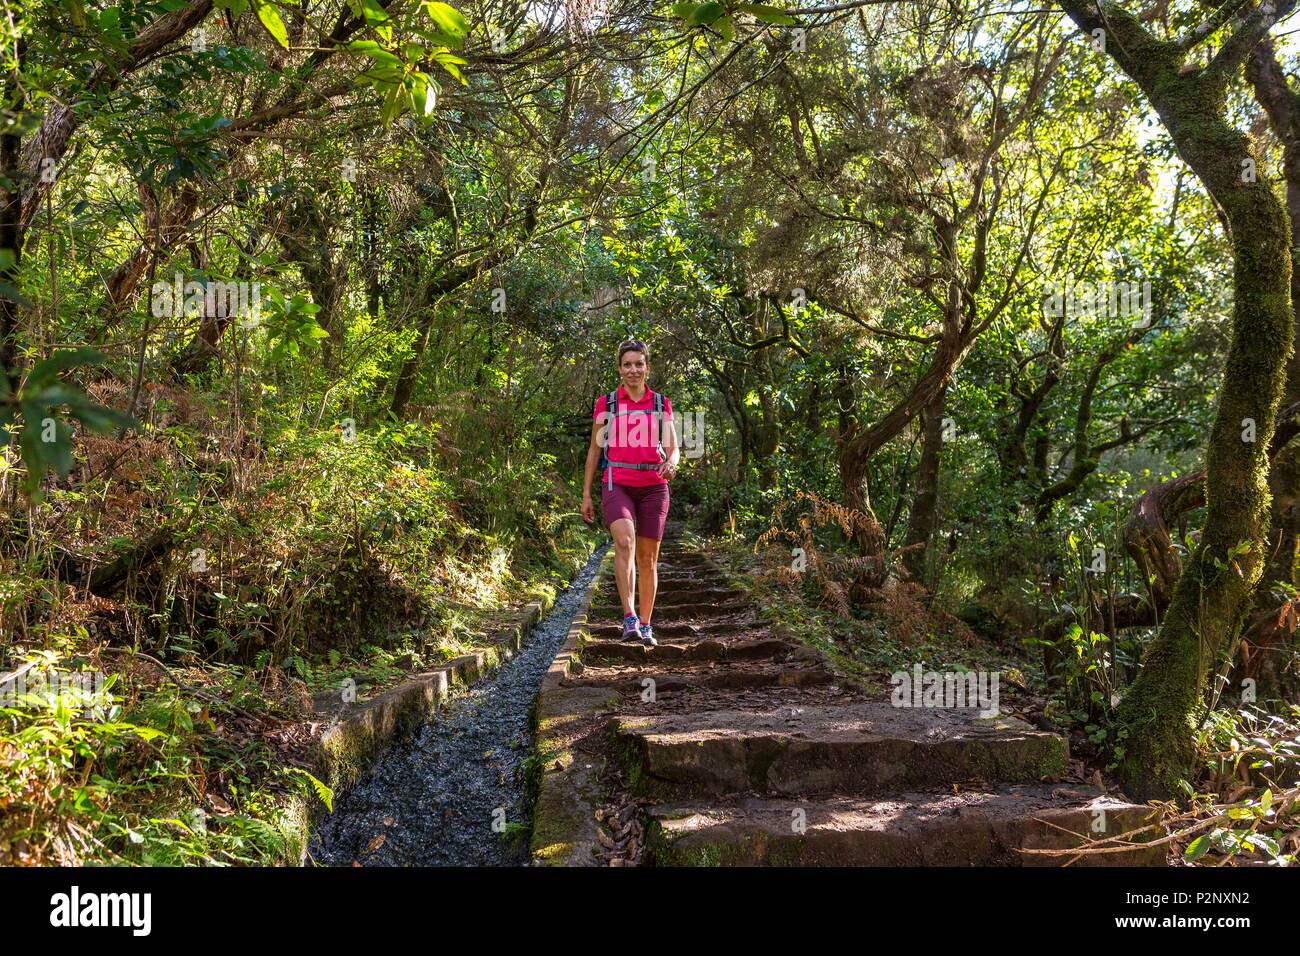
634, 369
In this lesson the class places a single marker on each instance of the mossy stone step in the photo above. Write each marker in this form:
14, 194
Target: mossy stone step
865, 747
723, 678
973, 828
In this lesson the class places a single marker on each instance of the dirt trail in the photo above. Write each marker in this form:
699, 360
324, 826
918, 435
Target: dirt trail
726, 745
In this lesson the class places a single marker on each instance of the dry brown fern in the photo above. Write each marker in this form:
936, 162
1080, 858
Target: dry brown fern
839, 575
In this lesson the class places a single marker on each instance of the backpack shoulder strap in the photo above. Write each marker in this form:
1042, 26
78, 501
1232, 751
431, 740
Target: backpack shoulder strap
611, 411
659, 423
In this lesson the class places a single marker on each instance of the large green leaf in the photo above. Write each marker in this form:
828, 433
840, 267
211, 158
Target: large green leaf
392, 103
1202, 845
448, 19
705, 14
376, 16
45, 438
767, 14
47, 370
271, 21
76, 13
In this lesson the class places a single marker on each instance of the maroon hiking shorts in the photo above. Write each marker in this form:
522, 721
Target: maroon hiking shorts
646, 507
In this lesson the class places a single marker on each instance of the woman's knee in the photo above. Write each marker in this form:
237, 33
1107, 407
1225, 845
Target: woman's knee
624, 540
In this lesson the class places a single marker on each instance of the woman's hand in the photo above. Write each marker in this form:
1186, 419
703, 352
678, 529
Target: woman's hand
588, 509
668, 470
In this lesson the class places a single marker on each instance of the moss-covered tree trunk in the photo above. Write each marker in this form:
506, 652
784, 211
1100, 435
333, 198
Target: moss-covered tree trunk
1213, 594
1264, 646
925, 500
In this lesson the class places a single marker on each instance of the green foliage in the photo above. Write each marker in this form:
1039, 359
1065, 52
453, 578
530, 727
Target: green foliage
92, 777
292, 325
1252, 757
325, 794
31, 418
722, 16
396, 72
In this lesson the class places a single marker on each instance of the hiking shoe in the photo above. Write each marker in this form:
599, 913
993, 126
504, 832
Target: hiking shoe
631, 628
648, 636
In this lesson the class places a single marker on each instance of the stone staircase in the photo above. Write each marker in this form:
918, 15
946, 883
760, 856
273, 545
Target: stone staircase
744, 749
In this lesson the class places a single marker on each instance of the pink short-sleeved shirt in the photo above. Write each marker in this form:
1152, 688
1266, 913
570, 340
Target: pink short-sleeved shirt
632, 438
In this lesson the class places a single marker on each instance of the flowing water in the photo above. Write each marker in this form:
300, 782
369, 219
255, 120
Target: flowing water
453, 793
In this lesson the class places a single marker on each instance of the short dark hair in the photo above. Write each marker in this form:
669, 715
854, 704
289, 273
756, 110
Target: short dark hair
632, 345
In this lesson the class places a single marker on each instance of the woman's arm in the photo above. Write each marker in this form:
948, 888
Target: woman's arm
589, 472
593, 459
672, 451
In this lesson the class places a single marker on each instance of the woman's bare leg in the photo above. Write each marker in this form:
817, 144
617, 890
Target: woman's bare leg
647, 567
624, 533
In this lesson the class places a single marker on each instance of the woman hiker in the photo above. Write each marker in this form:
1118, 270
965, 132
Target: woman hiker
641, 455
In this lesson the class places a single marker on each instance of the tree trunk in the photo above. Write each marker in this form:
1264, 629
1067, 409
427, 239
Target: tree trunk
925, 501
123, 283
1265, 643
1211, 597
405, 386
867, 536
767, 434
11, 249
1270, 634
305, 237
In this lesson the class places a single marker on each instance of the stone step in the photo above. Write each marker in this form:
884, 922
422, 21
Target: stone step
725, 678
609, 595
679, 575
691, 610
972, 828
677, 630
706, 649
690, 562
862, 747
669, 588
